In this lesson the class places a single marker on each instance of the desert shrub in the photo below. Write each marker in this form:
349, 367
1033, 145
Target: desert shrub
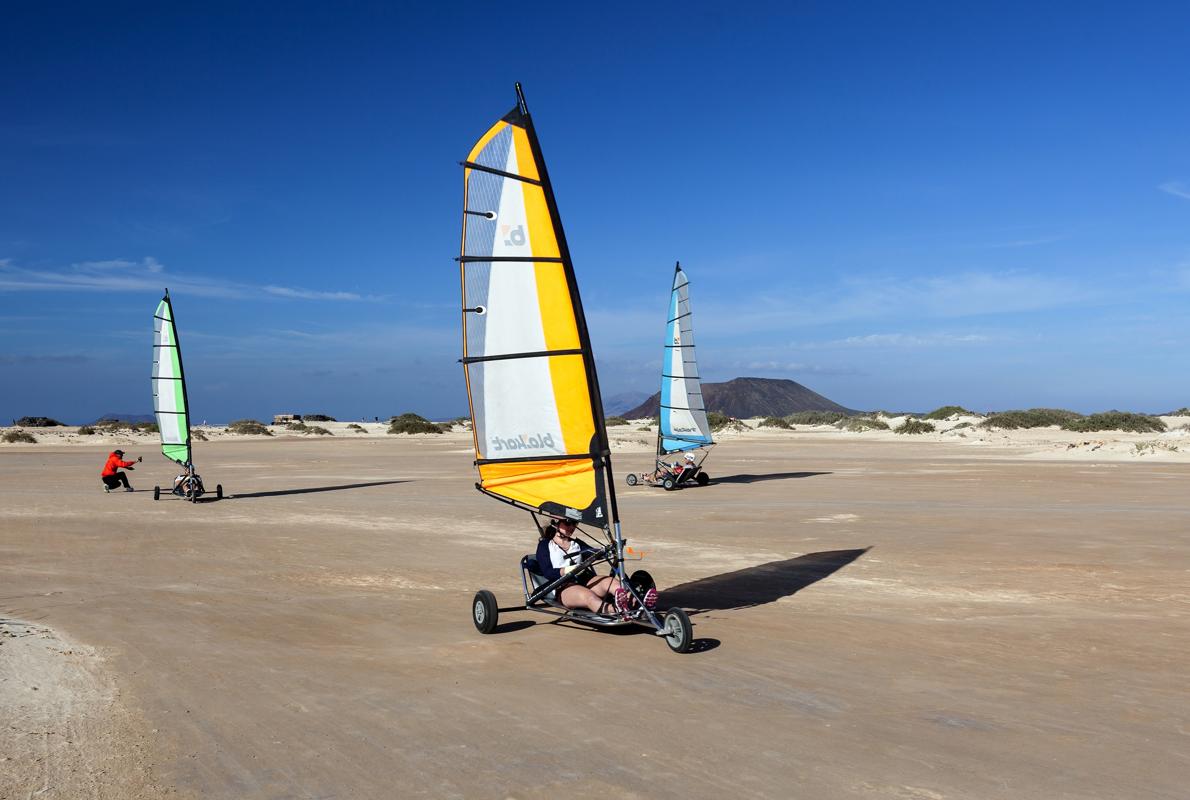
357, 428
1144, 448
1181, 412
199, 435
647, 428
815, 417
146, 427
39, 422
717, 420
297, 426
86, 430
911, 425
318, 430
860, 424
612, 422
775, 422
248, 427
412, 423
317, 418
1115, 421
1032, 418
946, 411
13, 437
961, 425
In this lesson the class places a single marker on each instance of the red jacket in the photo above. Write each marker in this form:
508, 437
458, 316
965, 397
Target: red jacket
113, 465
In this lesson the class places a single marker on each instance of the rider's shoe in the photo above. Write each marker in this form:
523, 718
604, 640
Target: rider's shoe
107, 490
623, 599
129, 489
650, 599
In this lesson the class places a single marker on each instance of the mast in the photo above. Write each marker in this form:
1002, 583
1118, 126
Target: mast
604, 453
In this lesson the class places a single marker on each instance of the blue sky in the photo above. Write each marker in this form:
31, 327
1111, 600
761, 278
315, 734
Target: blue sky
897, 205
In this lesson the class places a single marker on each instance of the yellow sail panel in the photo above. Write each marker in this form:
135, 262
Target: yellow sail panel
569, 484
526, 358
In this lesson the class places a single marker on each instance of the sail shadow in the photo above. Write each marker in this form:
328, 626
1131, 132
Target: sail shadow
772, 476
310, 490
754, 586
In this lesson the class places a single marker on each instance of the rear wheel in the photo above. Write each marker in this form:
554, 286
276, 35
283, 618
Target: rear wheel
702, 479
679, 633
218, 491
668, 483
630, 479
156, 492
484, 611
642, 581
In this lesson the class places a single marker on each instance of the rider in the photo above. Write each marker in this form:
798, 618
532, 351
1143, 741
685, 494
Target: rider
111, 475
558, 553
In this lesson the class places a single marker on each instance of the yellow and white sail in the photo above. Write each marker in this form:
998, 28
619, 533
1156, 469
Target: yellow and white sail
539, 438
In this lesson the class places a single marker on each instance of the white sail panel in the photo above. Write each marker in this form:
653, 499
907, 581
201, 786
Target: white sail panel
684, 424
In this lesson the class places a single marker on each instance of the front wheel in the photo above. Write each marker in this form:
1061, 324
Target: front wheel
630, 479
218, 491
668, 483
679, 633
484, 611
156, 492
702, 479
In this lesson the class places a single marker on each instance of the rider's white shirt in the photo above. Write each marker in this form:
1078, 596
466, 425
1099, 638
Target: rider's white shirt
558, 555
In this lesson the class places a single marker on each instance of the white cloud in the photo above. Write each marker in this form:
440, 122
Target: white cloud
911, 340
148, 274
308, 294
1176, 188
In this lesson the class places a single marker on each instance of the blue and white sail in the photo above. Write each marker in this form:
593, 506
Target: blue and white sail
684, 423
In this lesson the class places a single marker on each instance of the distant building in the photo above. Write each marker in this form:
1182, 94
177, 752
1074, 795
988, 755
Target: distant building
285, 419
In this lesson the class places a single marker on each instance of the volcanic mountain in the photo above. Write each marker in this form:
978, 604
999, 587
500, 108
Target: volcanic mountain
750, 397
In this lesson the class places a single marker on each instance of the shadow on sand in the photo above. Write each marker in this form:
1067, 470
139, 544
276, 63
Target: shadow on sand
772, 476
754, 586
311, 490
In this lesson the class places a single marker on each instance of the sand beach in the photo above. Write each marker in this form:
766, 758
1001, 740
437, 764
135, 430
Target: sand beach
963, 614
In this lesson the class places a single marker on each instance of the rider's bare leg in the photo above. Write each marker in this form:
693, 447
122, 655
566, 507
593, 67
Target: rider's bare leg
581, 597
592, 597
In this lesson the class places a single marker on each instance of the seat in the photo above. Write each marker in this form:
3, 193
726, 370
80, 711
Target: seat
536, 579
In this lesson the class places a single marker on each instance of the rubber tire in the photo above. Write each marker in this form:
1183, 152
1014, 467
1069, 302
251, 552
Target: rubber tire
669, 484
630, 479
642, 580
484, 611
702, 479
218, 491
156, 492
682, 637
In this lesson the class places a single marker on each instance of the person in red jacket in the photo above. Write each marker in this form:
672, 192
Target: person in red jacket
112, 477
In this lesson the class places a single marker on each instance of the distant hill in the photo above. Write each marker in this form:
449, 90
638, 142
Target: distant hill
125, 418
751, 397
616, 404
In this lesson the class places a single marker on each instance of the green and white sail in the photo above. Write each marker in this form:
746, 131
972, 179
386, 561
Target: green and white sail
169, 385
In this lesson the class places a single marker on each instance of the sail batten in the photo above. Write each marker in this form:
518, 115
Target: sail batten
684, 424
169, 386
538, 434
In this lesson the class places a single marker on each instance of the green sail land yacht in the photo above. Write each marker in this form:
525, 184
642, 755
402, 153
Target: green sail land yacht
170, 404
